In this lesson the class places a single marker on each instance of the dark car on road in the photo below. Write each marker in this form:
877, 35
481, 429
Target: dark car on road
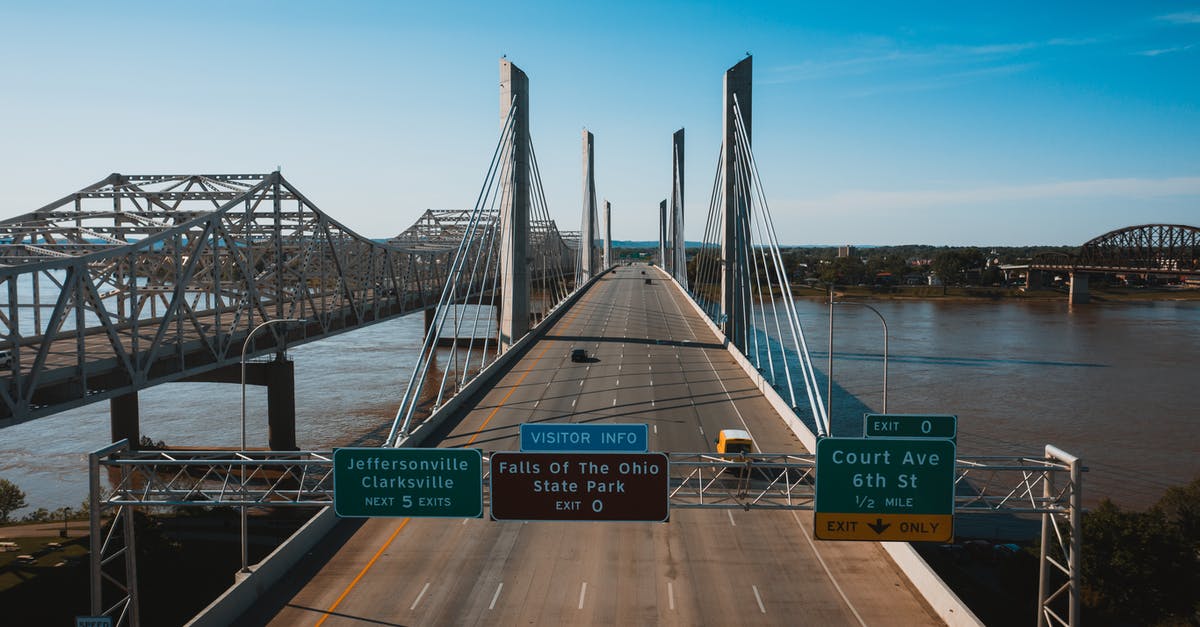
579, 355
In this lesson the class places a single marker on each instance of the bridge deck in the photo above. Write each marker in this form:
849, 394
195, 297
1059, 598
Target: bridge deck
658, 364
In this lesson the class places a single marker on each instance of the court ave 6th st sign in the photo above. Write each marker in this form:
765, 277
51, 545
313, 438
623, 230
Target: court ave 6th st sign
885, 490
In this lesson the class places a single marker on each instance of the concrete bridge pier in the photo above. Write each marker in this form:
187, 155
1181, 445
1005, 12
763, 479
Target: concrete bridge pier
280, 379
124, 418
1079, 288
430, 313
279, 375
1035, 279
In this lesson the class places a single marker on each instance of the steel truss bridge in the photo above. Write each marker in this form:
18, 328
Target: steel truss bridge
138, 280
1163, 249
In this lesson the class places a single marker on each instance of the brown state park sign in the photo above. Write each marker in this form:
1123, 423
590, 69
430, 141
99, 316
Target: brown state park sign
629, 487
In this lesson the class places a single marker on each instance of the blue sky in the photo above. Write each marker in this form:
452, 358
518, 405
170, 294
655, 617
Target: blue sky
940, 123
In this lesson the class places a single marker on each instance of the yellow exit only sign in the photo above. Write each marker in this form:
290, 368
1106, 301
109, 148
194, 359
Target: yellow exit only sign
884, 527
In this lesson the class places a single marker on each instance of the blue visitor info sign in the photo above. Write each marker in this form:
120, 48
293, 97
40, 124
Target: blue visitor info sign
612, 438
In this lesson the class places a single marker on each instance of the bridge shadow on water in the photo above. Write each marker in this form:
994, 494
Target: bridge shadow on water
939, 360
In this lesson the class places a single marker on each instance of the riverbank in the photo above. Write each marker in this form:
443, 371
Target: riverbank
982, 294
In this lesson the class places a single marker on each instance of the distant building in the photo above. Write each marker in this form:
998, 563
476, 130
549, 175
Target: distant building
847, 251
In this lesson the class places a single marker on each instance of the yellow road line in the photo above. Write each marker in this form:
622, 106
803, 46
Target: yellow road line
395, 533
371, 563
504, 400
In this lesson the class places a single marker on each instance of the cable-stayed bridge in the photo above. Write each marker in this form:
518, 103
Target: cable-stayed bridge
689, 349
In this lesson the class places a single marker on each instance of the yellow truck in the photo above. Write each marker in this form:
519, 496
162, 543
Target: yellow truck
733, 443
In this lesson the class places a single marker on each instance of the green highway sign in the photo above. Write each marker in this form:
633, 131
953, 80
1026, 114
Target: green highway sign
403, 482
885, 489
940, 426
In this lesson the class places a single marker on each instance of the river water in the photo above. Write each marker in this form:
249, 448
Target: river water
1115, 384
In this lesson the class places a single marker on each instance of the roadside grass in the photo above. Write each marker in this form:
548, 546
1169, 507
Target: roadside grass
13, 573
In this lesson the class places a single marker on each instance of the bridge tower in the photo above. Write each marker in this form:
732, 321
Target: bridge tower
587, 231
662, 233
514, 208
735, 241
677, 256
608, 260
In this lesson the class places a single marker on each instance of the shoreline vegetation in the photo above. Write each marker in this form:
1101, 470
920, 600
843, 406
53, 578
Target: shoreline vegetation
983, 294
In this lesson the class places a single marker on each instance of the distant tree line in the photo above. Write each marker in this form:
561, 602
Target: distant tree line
952, 265
12, 498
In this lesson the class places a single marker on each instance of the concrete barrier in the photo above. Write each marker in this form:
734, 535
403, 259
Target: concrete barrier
782, 407
248, 587
936, 593
488, 374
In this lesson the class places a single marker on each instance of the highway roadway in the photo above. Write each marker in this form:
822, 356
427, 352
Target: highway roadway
657, 363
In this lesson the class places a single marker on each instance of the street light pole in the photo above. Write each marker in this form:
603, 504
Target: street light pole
829, 371
885, 340
246, 345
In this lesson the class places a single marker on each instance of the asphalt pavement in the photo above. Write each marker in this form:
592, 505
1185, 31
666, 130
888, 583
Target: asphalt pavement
655, 362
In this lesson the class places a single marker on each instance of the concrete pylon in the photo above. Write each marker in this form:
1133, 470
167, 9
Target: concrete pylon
1079, 294
735, 242
514, 209
587, 230
662, 233
123, 416
678, 253
608, 260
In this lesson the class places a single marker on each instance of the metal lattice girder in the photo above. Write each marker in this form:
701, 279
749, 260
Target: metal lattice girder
138, 280
1012, 485
440, 230
302, 478
1148, 248
1161, 247
1016, 485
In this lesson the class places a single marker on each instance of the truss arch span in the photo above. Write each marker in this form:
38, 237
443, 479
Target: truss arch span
1147, 247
